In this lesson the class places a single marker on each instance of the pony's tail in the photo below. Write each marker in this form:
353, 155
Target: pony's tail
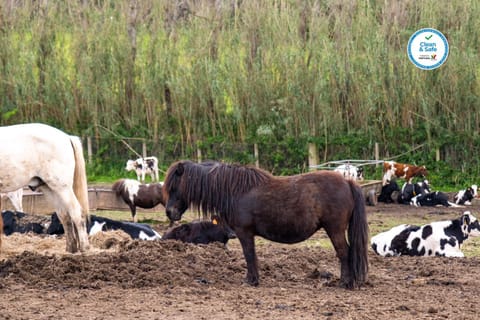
80, 187
358, 238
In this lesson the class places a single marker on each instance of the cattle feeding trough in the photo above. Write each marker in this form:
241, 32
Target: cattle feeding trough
288, 209
47, 159
354, 169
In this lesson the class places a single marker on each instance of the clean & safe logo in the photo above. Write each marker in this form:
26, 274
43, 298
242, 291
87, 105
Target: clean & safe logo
427, 49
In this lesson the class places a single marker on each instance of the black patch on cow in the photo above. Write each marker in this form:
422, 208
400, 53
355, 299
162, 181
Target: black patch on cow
399, 242
374, 247
433, 199
455, 230
410, 190
473, 226
414, 251
451, 241
427, 231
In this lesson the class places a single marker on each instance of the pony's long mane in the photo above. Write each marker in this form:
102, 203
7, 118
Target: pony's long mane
213, 187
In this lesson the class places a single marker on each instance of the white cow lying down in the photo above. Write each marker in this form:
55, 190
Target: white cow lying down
440, 238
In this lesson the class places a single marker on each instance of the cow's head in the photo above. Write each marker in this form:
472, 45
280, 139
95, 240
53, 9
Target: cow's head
130, 165
474, 189
422, 171
470, 225
360, 173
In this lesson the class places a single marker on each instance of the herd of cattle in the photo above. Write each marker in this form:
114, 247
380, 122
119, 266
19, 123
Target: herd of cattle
441, 238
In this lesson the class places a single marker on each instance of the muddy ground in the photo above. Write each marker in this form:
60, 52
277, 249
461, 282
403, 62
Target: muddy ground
125, 279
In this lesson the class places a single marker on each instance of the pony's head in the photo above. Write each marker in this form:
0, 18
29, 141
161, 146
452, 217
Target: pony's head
175, 202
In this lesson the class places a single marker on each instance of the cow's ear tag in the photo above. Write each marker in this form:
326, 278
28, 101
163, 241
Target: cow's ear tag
466, 220
214, 221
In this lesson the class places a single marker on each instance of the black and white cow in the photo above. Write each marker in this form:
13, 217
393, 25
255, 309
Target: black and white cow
96, 224
465, 196
349, 171
201, 232
410, 190
432, 199
143, 166
386, 195
440, 238
15, 222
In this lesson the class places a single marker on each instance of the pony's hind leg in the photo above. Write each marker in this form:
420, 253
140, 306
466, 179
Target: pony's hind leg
75, 225
341, 248
248, 246
70, 239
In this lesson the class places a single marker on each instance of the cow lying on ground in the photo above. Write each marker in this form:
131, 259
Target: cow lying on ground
466, 196
386, 195
142, 166
410, 190
350, 171
441, 238
15, 222
201, 232
401, 170
432, 199
97, 224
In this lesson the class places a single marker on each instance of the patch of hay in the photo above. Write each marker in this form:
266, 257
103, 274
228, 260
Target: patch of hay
109, 239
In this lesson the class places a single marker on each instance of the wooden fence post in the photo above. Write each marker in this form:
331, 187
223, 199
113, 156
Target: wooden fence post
89, 149
144, 149
256, 156
312, 155
199, 155
377, 154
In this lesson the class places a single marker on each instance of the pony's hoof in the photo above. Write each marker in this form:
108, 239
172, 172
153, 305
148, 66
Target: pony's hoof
251, 282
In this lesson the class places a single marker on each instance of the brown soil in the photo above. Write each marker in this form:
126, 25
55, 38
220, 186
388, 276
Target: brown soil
124, 279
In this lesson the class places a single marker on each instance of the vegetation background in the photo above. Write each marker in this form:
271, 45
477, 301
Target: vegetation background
220, 76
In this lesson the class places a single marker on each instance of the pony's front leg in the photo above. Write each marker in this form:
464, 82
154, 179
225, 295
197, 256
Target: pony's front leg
133, 209
247, 241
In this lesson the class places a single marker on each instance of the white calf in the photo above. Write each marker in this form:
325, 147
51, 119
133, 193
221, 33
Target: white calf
350, 171
143, 166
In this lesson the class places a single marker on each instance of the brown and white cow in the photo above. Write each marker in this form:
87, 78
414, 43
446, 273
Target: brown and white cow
401, 170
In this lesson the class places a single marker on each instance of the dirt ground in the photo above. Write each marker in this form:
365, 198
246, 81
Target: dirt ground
125, 279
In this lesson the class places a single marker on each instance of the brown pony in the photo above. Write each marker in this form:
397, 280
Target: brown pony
136, 194
282, 209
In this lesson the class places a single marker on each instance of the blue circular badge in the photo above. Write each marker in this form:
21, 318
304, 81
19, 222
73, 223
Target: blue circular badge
427, 49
